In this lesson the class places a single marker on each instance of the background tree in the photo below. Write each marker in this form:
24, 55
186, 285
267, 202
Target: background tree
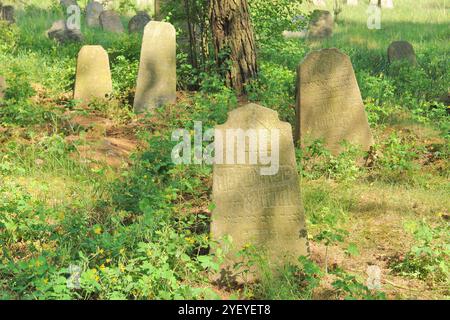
234, 41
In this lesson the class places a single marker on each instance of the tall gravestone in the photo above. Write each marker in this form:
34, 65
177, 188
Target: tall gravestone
264, 210
321, 24
93, 78
2, 87
329, 104
402, 50
93, 11
110, 21
157, 79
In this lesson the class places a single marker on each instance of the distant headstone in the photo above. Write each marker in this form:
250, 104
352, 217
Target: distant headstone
402, 50
93, 78
2, 87
157, 78
321, 24
62, 34
352, 2
255, 209
110, 21
329, 104
67, 3
93, 11
138, 22
7, 14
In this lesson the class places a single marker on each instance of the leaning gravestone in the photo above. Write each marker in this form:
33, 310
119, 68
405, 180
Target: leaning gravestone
62, 34
93, 78
329, 104
138, 22
321, 24
157, 77
2, 87
110, 21
402, 50
264, 210
93, 11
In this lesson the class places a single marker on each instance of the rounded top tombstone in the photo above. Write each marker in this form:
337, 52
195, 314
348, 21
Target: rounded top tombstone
138, 22
402, 50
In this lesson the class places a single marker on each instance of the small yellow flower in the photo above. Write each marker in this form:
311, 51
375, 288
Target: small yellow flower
45, 280
108, 260
122, 251
101, 251
102, 267
121, 267
98, 230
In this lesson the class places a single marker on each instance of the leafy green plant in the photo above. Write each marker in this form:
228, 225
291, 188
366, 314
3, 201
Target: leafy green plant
429, 257
325, 224
317, 162
285, 281
352, 289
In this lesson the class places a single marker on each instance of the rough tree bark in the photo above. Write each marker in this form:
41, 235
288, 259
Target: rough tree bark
233, 34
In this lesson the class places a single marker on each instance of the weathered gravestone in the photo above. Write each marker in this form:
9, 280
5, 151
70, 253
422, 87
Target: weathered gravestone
402, 50
138, 22
321, 24
93, 11
329, 104
7, 13
2, 87
93, 78
157, 77
62, 34
256, 205
110, 21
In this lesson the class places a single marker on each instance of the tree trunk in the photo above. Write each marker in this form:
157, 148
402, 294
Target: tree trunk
234, 41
